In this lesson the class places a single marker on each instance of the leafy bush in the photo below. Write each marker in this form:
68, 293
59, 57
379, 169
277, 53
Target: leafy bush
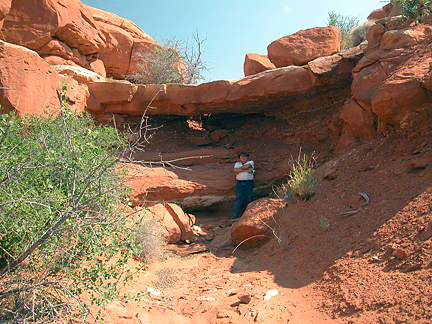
414, 10
346, 25
302, 179
175, 62
60, 221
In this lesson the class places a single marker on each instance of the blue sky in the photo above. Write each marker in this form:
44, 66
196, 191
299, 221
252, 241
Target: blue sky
233, 28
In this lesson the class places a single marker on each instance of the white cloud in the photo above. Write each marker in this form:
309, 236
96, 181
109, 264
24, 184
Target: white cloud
287, 9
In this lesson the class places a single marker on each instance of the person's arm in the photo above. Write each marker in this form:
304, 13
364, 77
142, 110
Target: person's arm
244, 168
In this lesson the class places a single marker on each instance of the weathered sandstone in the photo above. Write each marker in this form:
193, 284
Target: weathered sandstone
30, 86
304, 46
256, 63
256, 223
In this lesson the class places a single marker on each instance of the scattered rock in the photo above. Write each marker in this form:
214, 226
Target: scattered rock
244, 298
186, 249
118, 309
256, 63
271, 293
400, 254
412, 267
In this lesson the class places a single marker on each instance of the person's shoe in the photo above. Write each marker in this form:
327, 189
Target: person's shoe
233, 220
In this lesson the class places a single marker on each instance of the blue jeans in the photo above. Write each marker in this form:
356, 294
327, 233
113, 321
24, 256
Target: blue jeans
243, 193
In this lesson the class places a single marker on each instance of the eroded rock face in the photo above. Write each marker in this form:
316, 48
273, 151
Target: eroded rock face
304, 46
123, 40
5, 6
33, 23
30, 86
389, 83
70, 33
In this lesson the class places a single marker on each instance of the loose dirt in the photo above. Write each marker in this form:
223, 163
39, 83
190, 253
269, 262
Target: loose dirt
373, 266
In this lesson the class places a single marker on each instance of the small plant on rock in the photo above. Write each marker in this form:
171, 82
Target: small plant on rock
302, 179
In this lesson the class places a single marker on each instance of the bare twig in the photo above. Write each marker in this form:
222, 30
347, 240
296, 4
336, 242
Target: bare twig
352, 212
249, 238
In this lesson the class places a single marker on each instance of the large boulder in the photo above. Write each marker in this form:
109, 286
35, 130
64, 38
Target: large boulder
304, 46
256, 63
72, 33
34, 23
30, 86
257, 222
175, 224
123, 40
381, 13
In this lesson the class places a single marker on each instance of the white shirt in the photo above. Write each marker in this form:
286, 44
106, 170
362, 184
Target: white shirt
244, 175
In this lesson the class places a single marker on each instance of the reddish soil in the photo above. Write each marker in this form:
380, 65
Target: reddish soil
373, 266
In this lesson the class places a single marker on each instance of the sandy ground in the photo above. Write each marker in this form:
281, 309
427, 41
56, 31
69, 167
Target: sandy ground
372, 266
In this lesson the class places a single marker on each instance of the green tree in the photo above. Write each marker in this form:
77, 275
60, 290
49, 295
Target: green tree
414, 10
60, 216
346, 25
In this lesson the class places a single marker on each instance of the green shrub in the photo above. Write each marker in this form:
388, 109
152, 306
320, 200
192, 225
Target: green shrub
302, 179
176, 62
281, 191
346, 25
358, 34
157, 66
414, 10
149, 239
60, 224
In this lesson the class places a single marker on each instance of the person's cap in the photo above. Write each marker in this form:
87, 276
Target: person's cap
243, 153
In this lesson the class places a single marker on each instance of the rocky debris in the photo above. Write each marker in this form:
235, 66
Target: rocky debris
30, 86
400, 254
256, 63
304, 46
176, 225
256, 224
186, 249
119, 309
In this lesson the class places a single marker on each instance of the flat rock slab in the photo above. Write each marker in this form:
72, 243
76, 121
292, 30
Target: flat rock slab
186, 249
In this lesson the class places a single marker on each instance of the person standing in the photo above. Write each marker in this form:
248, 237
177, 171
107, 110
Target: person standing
244, 170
